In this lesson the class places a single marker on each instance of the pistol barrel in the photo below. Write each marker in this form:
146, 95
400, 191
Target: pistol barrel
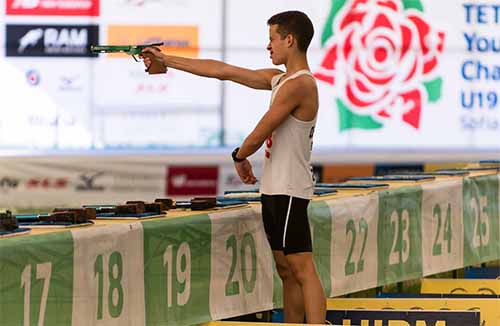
121, 48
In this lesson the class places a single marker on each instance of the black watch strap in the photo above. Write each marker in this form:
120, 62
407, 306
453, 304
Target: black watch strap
233, 155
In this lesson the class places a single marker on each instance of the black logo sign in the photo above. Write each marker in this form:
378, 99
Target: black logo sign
409, 318
51, 40
7, 183
87, 182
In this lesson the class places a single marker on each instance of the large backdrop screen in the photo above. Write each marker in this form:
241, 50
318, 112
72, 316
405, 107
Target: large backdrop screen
392, 74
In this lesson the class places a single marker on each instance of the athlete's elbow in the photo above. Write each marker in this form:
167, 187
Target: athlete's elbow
221, 71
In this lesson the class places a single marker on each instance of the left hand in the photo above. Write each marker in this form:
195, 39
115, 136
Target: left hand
245, 172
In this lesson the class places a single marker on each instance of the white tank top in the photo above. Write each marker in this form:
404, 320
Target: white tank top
287, 162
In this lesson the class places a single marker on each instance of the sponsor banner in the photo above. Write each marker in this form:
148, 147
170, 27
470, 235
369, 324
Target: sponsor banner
182, 15
192, 180
32, 183
178, 40
488, 307
118, 182
459, 286
51, 40
442, 228
72, 181
403, 318
241, 274
53, 7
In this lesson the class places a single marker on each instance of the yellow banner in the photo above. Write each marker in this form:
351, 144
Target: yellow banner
179, 40
431, 167
363, 317
489, 308
460, 286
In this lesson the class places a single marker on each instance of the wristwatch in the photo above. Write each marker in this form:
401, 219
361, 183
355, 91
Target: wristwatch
233, 155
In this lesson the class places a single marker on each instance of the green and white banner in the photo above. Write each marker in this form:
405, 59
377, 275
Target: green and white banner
203, 267
177, 261
241, 277
399, 235
480, 219
36, 280
108, 276
442, 227
354, 244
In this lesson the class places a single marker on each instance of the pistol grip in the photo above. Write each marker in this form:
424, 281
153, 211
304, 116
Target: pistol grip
156, 67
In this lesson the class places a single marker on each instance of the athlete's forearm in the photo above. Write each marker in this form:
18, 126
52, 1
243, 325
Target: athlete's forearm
201, 67
250, 145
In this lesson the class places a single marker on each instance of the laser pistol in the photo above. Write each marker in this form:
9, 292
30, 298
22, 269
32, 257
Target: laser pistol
155, 68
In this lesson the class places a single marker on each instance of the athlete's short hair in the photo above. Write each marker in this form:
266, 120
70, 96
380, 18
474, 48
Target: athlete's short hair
296, 23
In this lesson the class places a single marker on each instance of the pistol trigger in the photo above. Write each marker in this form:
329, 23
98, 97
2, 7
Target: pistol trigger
133, 56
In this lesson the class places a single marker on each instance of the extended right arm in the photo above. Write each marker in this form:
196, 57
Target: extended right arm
258, 79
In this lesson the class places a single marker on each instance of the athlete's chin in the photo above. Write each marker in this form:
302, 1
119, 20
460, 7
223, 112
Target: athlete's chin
276, 61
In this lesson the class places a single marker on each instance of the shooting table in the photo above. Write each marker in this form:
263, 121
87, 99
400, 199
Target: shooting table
193, 267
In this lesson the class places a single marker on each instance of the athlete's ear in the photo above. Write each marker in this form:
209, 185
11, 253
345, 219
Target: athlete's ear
289, 40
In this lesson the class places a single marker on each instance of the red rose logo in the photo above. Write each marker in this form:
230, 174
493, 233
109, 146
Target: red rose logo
382, 57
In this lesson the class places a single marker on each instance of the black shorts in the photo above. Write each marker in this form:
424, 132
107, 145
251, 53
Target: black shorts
286, 223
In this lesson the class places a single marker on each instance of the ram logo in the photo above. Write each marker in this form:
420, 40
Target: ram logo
65, 37
30, 39
51, 40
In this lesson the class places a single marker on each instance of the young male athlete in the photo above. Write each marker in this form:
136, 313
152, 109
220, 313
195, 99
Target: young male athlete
287, 128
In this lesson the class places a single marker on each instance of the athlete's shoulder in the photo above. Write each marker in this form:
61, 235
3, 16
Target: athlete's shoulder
301, 84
